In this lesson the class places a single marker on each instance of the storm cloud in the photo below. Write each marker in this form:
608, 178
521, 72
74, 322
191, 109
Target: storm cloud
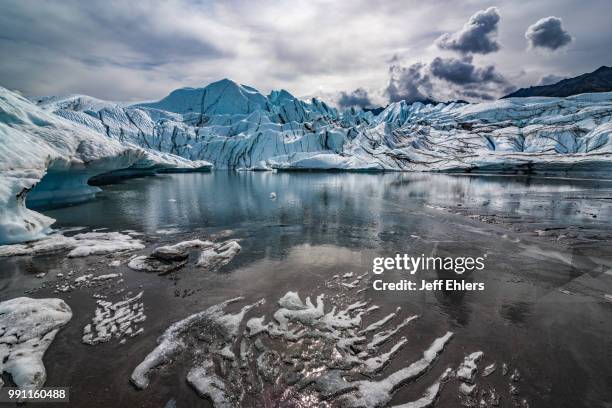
446, 79
463, 71
410, 84
478, 35
358, 98
548, 33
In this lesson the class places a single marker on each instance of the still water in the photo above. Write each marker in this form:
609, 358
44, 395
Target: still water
544, 308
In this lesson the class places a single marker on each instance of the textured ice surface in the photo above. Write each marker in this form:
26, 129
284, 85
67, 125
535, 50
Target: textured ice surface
305, 351
235, 126
79, 245
48, 160
431, 394
115, 320
27, 328
467, 370
218, 255
168, 258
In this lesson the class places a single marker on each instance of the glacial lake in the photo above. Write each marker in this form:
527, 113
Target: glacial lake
545, 311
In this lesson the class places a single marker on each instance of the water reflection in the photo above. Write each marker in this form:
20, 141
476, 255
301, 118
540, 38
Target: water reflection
321, 224
329, 200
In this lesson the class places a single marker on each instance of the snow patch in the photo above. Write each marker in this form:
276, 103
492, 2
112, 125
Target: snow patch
115, 320
27, 328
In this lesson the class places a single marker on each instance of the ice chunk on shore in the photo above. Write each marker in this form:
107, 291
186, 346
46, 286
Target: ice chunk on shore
219, 255
80, 245
166, 259
467, 369
27, 328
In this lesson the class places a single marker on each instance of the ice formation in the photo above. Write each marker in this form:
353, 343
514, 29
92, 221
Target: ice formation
49, 160
309, 350
235, 126
49, 151
79, 245
166, 259
218, 255
116, 320
169, 258
467, 369
27, 328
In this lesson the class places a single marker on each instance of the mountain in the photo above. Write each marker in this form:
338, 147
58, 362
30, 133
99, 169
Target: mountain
599, 80
218, 98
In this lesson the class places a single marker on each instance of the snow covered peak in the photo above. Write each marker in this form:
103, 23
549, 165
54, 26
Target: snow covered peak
278, 97
75, 102
224, 97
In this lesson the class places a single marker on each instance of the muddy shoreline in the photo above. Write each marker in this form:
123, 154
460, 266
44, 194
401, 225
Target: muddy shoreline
545, 315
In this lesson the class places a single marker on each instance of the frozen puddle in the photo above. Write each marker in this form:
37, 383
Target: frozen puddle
79, 245
307, 349
27, 328
115, 320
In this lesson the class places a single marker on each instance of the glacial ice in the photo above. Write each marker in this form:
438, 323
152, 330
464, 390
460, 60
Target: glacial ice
79, 245
305, 349
27, 328
49, 151
48, 160
116, 320
235, 126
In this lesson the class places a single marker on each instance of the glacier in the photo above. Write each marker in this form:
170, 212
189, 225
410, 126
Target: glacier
236, 127
49, 160
52, 149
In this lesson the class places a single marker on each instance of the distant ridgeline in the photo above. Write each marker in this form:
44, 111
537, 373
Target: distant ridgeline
599, 80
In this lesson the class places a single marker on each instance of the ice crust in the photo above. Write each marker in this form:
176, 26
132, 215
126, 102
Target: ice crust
314, 348
79, 245
115, 320
27, 328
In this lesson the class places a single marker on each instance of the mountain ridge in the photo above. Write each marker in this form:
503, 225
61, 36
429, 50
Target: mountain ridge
599, 80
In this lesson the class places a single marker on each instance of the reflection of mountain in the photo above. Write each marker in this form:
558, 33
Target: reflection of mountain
599, 80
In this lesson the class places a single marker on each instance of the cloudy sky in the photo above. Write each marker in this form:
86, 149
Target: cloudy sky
349, 52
